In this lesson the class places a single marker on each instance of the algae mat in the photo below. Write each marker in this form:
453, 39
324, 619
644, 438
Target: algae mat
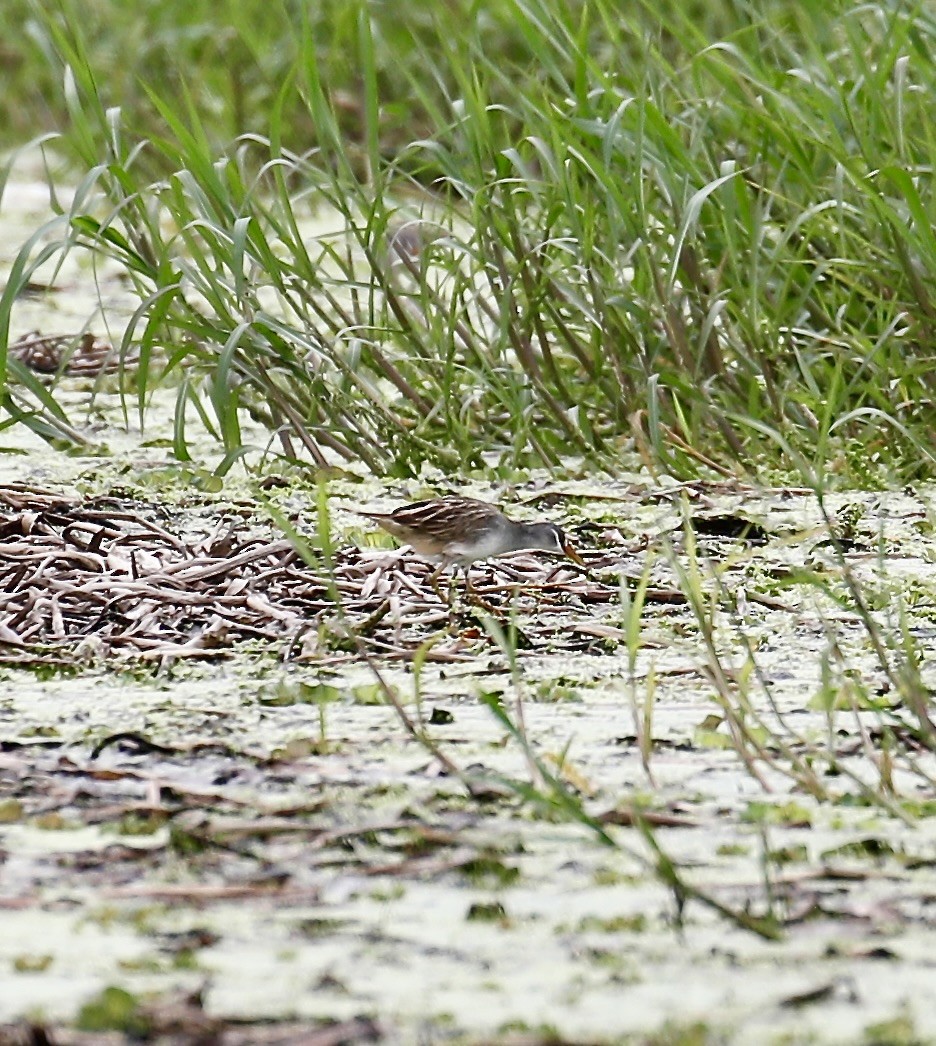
258, 834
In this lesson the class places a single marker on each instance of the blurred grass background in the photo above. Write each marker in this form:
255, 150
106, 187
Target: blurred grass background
697, 231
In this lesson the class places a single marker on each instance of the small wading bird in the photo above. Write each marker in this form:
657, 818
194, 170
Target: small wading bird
456, 531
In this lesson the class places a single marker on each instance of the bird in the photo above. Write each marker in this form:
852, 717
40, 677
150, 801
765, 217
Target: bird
407, 242
458, 531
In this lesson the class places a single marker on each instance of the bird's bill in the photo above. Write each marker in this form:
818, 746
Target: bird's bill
569, 549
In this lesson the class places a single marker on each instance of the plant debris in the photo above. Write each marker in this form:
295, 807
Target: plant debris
110, 576
73, 354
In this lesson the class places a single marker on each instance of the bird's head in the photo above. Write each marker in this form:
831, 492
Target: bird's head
553, 539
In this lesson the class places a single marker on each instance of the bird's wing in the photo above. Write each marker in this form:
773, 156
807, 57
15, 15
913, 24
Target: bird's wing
444, 518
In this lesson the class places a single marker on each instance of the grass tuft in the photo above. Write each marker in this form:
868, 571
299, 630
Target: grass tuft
704, 234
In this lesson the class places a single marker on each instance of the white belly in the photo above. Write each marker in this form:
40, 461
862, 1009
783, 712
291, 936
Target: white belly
492, 544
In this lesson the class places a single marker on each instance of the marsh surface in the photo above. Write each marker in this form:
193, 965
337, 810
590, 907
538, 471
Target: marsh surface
251, 818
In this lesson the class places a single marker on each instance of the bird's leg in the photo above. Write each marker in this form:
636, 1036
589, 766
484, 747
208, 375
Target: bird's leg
475, 597
471, 595
452, 592
453, 586
433, 580
469, 588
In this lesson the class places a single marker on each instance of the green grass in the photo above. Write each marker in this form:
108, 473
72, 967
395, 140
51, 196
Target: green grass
701, 231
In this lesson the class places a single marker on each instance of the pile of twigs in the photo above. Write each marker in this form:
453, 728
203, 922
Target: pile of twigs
110, 576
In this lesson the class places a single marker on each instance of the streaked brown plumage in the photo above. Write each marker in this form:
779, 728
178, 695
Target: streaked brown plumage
454, 530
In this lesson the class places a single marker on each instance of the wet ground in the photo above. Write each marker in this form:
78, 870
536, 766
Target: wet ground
534, 823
